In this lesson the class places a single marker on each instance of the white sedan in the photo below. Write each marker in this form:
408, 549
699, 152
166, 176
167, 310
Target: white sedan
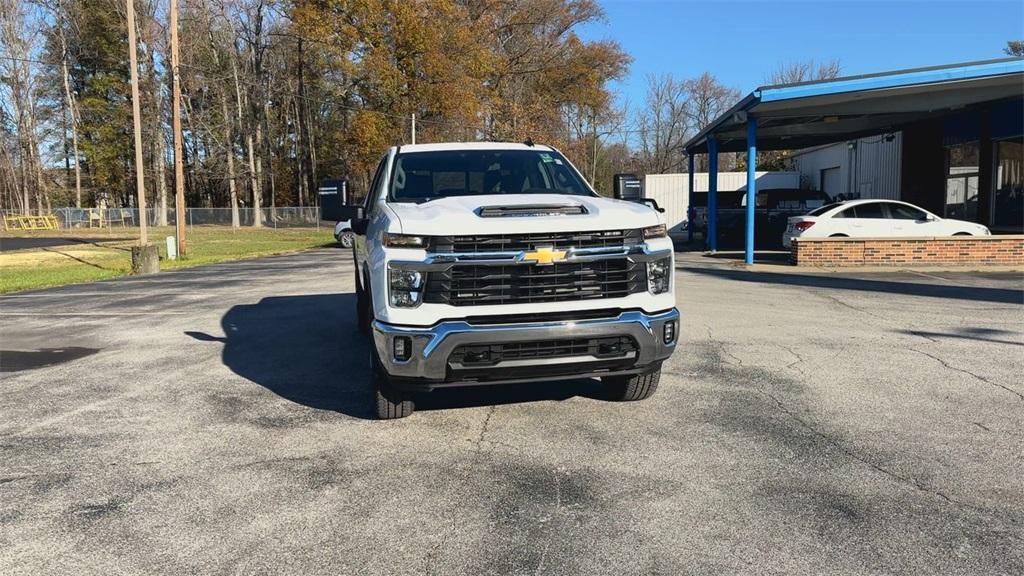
343, 233
875, 218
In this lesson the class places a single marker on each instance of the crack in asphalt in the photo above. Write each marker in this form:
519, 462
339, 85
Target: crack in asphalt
949, 366
431, 556
846, 304
722, 348
558, 507
757, 384
483, 429
799, 359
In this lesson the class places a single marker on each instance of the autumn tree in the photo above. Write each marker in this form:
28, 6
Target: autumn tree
277, 95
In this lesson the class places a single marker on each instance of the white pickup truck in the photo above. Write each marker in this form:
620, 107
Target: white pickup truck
488, 263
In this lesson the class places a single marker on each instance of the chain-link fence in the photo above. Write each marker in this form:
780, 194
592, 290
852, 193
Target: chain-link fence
284, 217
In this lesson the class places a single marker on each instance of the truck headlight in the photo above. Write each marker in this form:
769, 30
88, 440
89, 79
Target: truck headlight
404, 241
659, 273
405, 287
657, 231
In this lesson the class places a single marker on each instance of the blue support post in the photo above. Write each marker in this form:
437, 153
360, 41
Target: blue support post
712, 227
751, 187
690, 212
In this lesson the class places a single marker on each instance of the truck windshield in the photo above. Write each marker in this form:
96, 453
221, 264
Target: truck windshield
423, 176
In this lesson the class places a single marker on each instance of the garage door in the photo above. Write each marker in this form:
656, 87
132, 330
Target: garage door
831, 183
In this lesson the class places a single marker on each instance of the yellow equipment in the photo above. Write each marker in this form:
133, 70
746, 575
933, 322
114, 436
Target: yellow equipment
31, 223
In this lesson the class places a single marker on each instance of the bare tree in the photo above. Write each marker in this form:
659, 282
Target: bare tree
662, 126
19, 77
707, 99
1014, 48
60, 13
805, 71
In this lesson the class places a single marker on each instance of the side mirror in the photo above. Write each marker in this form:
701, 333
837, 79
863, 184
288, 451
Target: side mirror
359, 222
653, 204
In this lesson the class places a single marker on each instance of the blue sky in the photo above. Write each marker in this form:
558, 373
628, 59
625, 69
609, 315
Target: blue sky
740, 42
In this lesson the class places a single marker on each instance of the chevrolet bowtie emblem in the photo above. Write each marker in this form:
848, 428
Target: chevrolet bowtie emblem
544, 256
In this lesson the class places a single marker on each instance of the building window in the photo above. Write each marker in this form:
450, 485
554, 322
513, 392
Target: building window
962, 181
1008, 196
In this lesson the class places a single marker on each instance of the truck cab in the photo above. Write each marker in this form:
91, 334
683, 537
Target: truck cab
490, 263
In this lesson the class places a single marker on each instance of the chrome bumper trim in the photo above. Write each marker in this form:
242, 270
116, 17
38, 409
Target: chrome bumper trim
552, 361
440, 261
431, 346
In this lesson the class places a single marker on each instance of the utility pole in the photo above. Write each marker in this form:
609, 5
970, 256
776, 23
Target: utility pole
179, 167
414, 128
140, 182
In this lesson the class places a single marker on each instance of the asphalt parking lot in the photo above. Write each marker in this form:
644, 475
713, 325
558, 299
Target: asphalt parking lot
216, 420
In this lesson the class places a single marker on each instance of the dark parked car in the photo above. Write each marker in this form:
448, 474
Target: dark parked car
771, 214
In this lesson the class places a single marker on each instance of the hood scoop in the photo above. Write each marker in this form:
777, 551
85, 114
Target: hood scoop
531, 210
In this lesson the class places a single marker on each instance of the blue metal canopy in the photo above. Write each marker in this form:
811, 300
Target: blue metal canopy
794, 116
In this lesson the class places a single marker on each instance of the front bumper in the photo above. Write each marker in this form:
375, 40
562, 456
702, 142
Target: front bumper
429, 364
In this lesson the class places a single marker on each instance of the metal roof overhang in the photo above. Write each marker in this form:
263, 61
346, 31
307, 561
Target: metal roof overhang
814, 113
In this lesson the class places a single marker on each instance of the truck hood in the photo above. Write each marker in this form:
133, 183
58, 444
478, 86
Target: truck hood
520, 213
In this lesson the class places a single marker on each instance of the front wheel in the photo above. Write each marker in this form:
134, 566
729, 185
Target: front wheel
391, 403
631, 388
347, 239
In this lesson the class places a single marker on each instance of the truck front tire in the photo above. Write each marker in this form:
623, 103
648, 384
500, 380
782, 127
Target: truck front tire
631, 388
391, 403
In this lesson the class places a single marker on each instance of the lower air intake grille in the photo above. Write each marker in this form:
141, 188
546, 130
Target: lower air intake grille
477, 355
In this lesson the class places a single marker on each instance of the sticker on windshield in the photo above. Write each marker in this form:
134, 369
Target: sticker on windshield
546, 158
557, 161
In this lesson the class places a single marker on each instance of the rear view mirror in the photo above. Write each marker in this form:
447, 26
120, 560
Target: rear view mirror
359, 222
334, 202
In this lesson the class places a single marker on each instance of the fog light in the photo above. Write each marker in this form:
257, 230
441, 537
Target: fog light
669, 332
405, 299
402, 348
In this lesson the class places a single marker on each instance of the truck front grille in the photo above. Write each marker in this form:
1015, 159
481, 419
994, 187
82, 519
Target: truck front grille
475, 285
555, 240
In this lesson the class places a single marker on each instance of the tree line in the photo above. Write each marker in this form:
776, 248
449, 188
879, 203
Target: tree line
280, 94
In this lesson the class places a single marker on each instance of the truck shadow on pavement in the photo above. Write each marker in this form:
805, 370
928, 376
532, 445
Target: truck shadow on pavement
307, 349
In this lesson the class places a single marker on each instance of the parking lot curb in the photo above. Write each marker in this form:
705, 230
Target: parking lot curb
788, 269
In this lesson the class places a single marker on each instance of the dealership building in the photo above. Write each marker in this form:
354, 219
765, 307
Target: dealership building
947, 138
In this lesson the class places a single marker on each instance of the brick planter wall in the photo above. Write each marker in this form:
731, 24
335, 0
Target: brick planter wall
918, 251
